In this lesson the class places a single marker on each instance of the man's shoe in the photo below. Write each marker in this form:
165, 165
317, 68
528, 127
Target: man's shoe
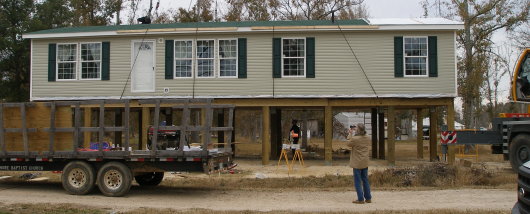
368, 201
358, 202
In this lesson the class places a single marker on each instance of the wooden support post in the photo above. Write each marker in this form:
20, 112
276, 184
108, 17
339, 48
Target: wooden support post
276, 132
433, 133
118, 122
184, 126
207, 125
126, 126
101, 127
24, 129
266, 141
77, 124
391, 139
203, 123
156, 124
381, 123
304, 131
373, 123
2, 134
221, 123
233, 145
52, 130
146, 114
230, 137
87, 123
419, 134
328, 135
451, 127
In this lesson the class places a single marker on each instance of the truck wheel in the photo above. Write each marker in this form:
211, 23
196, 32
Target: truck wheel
149, 179
78, 178
519, 150
114, 179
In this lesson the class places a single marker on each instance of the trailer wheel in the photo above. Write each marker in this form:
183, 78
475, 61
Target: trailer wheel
149, 179
519, 150
114, 179
78, 178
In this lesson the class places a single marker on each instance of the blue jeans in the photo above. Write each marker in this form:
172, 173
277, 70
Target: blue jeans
363, 191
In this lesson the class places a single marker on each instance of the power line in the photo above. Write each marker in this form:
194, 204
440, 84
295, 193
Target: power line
357, 59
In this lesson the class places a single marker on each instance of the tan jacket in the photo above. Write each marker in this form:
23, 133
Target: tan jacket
360, 151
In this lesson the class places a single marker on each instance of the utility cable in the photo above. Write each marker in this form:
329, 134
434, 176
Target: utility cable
357, 59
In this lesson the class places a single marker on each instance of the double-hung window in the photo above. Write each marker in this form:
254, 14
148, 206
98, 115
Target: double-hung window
293, 57
84, 64
228, 58
90, 60
205, 58
66, 61
416, 56
183, 58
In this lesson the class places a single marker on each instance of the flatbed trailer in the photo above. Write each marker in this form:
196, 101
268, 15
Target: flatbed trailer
112, 170
510, 136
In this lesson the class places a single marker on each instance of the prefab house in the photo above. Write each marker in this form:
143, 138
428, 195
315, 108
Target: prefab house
379, 64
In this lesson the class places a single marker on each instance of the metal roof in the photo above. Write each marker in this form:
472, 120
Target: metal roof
201, 25
431, 24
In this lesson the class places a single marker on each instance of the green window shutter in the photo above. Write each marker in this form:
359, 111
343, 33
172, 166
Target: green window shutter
433, 56
398, 56
242, 58
52, 57
170, 44
276, 57
310, 56
105, 61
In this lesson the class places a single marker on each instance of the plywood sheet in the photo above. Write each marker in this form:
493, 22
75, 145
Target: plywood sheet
38, 116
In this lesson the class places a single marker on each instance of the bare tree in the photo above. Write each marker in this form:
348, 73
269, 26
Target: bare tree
247, 10
133, 7
481, 18
309, 9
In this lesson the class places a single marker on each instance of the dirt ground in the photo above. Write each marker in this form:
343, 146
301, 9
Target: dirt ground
168, 196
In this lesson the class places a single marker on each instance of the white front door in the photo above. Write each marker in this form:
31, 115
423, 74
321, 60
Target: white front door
143, 66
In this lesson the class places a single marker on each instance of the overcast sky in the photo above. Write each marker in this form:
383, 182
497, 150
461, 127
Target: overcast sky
377, 8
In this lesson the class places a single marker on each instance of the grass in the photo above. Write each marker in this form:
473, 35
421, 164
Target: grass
49, 208
71, 209
426, 176
437, 211
421, 177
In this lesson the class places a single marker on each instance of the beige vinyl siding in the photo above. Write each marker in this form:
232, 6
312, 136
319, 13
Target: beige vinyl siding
337, 72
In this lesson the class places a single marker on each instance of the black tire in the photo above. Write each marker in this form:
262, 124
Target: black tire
114, 179
78, 178
519, 150
149, 179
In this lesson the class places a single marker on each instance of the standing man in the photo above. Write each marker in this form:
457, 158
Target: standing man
294, 132
360, 143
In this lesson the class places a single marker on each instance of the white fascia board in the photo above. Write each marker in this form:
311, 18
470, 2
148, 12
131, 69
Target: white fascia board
442, 95
66, 35
421, 27
240, 29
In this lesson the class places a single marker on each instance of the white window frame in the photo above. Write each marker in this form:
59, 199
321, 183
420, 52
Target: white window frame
426, 58
219, 59
305, 58
76, 61
81, 61
193, 53
213, 59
